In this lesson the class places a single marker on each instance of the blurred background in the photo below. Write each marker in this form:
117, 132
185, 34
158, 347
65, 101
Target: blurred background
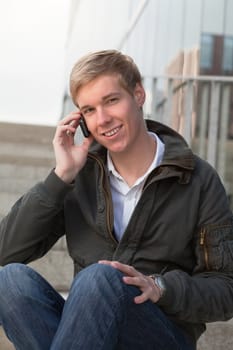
184, 49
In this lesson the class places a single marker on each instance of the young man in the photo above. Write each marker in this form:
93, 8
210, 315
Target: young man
147, 222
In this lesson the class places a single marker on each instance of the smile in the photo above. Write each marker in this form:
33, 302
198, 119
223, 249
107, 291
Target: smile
112, 132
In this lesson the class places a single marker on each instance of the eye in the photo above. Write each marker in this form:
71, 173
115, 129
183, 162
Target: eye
112, 100
87, 111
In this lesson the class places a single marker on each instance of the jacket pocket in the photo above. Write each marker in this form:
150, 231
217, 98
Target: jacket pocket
214, 248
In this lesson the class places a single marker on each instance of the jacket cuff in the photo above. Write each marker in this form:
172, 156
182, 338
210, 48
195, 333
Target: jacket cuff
173, 290
57, 188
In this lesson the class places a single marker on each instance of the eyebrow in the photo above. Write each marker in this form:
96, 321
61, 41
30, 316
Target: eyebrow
104, 98
110, 95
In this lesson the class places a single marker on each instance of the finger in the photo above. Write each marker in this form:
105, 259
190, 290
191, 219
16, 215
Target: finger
72, 127
71, 121
105, 262
134, 281
108, 262
116, 264
126, 269
61, 132
75, 115
142, 298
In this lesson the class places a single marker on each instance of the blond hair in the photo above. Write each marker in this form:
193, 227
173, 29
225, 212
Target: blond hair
104, 62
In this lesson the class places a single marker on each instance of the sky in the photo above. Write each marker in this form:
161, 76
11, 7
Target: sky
33, 38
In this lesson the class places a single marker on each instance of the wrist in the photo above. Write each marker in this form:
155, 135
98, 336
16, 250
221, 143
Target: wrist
160, 284
65, 176
56, 188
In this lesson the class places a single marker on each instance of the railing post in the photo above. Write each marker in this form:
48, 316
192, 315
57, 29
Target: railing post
168, 106
223, 131
213, 124
203, 119
188, 110
153, 99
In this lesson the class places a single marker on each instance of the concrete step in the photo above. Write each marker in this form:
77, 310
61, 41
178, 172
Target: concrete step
18, 179
219, 336
26, 133
56, 267
26, 157
5, 344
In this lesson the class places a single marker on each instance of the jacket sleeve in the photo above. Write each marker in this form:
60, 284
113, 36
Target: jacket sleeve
35, 222
206, 295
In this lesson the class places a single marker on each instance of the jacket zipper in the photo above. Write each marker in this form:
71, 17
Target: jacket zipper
204, 246
108, 208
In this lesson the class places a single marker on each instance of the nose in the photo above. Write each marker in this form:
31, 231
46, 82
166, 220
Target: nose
102, 116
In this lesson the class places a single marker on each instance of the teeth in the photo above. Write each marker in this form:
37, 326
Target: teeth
112, 132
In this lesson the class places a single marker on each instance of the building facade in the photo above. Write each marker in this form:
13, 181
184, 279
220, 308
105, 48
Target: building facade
184, 49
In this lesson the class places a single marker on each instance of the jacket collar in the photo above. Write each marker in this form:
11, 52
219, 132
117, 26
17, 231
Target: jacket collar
177, 152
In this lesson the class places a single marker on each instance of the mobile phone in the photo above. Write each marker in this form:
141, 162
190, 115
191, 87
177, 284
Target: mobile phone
83, 127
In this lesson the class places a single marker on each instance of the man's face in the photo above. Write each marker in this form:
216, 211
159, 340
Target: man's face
113, 116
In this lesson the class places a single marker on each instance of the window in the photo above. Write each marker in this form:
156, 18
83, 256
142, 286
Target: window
227, 62
206, 54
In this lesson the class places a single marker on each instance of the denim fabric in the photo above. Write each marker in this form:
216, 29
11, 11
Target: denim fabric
99, 313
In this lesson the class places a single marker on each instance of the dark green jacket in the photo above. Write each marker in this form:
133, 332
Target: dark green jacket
181, 227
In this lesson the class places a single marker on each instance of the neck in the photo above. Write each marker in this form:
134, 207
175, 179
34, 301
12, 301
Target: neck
134, 163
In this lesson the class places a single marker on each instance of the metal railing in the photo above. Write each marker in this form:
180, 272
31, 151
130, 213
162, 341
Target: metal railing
201, 109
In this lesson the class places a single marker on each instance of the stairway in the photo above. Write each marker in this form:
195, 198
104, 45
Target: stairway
26, 157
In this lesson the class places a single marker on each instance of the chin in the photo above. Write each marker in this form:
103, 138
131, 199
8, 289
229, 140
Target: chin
117, 150
114, 147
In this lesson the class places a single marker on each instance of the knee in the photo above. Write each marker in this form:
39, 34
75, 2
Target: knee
10, 274
103, 284
13, 277
99, 276
98, 272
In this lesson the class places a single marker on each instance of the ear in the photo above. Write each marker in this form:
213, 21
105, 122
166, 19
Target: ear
139, 94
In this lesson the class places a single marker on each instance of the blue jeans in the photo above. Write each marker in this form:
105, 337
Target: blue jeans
99, 313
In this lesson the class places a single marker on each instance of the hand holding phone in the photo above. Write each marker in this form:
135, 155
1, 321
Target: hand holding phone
83, 127
70, 155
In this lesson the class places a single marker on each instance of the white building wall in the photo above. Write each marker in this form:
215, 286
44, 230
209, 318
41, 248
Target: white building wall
228, 18
96, 25
163, 29
213, 16
193, 23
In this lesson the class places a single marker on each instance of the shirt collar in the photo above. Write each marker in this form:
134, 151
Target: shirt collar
156, 161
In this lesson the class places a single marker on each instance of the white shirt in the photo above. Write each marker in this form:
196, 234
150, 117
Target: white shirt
125, 197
